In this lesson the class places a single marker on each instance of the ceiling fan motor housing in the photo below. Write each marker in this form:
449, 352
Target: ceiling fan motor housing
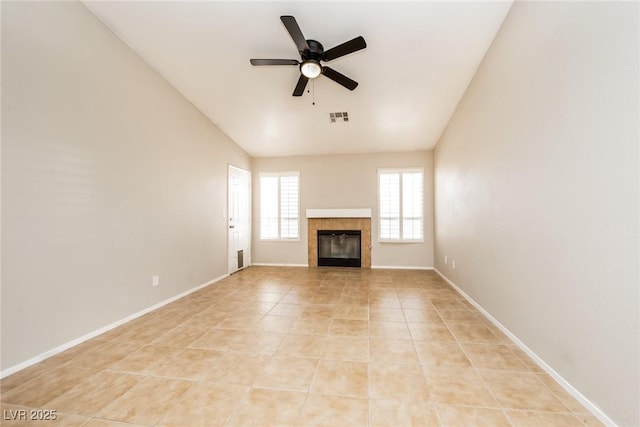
315, 51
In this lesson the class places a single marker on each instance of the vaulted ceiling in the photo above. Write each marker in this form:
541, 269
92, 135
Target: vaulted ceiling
419, 59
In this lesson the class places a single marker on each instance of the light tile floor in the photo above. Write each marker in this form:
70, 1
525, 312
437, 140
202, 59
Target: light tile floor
299, 347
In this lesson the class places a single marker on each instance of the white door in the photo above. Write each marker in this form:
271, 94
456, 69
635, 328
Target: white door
239, 209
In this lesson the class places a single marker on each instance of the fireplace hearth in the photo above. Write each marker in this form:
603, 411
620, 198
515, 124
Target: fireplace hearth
339, 248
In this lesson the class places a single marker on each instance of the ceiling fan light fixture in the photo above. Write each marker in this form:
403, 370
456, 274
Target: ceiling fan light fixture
310, 69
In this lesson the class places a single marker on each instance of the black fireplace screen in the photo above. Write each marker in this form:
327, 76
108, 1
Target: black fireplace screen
339, 248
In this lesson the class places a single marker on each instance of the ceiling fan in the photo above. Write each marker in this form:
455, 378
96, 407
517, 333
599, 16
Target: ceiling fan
311, 53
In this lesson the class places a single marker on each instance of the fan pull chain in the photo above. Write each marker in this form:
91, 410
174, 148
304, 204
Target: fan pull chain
313, 94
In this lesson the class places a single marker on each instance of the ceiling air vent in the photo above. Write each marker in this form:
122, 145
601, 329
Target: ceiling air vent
340, 116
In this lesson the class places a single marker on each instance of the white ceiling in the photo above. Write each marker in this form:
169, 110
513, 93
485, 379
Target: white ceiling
419, 59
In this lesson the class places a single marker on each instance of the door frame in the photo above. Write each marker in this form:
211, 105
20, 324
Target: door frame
249, 216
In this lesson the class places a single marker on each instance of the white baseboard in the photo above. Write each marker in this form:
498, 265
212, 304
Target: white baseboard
59, 349
594, 409
275, 264
387, 267
401, 267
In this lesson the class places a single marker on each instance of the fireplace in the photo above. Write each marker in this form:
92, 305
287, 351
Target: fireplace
339, 220
339, 248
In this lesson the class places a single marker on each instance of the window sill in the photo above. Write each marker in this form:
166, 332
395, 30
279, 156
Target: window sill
279, 240
400, 241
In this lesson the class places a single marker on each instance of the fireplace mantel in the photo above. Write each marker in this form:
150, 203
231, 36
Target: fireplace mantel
339, 213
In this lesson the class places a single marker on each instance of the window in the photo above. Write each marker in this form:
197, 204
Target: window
400, 204
279, 206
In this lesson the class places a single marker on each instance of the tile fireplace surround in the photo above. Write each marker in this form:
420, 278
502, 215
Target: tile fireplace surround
339, 219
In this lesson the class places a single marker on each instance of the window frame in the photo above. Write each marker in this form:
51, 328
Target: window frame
401, 217
278, 175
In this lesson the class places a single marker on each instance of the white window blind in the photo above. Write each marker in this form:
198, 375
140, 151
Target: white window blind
401, 204
389, 206
279, 205
289, 207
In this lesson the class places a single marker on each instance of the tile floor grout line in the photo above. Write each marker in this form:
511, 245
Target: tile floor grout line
486, 386
237, 405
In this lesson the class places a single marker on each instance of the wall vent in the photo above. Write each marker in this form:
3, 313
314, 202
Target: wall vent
340, 116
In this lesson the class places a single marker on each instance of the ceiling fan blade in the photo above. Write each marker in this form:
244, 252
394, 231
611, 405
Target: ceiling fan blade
295, 32
274, 62
302, 83
339, 78
345, 48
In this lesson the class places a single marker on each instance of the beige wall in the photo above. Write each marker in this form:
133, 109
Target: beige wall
109, 176
536, 193
345, 181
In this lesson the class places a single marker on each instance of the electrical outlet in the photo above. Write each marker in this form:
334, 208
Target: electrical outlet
453, 264
446, 259
155, 280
